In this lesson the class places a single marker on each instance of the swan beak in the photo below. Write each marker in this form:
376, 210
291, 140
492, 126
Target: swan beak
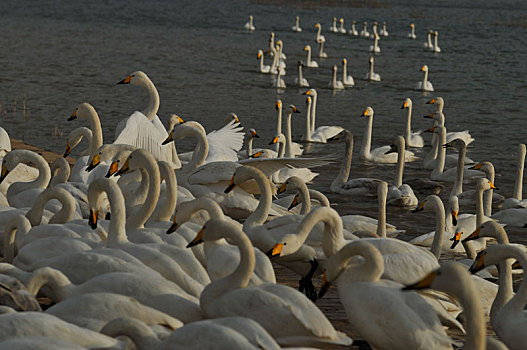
173, 227
424, 283
432, 129
412, 25
447, 145
455, 239
393, 149
256, 155
254, 134
181, 121
295, 110
231, 186
274, 140
477, 166
276, 250
365, 114
68, 149
405, 105
169, 139
125, 168
422, 68
258, 56
126, 80
282, 188
73, 116
473, 235
4, 172
198, 239
431, 102
454, 217
294, 203
420, 207
516, 265
479, 262
92, 221
94, 162
429, 115
325, 286
308, 92
492, 186
278, 105
114, 167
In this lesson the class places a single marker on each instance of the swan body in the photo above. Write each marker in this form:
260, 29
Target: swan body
249, 26
296, 27
278, 82
319, 38
353, 31
341, 29
400, 194
300, 81
412, 139
371, 75
375, 47
309, 62
439, 117
424, 85
261, 67
346, 79
334, 83
321, 53
428, 44
333, 27
323, 133
383, 31
467, 198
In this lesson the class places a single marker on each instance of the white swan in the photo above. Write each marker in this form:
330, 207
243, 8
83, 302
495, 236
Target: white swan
334, 83
323, 133
428, 44
436, 48
378, 155
371, 75
278, 82
319, 38
144, 129
424, 85
5, 142
383, 31
439, 119
400, 194
375, 47
281, 305
467, 198
453, 278
333, 27
296, 27
374, 28
516, 217
413, 139
321, 53
516, 200
341, 30
281, 55
300, 81
261, 67
353, 31
249, 26
412, 35
364, 32
406, 320
309, 62
346, 79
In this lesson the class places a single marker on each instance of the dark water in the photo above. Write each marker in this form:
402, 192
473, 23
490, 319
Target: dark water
56, 54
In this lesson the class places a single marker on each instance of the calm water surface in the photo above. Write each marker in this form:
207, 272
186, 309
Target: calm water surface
56, 54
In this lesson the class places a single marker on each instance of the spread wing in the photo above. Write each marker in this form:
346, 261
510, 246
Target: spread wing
224, 143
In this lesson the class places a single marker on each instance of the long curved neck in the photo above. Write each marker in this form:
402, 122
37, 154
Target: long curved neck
17, 225
139, 217
518, 185
458, 185
408, 130
366, 141
487, 196
169, 205
261, 213
517, 302
141, 335
203, 203
381, 218
153, 104
44, 173
308, 60
370, 270
429, 40
505, 290
59, 284
318, 33
240, 277
371, 69
307, 135
435, 42
65, 214
333, 236
249, 143
413, 31
95, 126
320, 48
319, 196
279, 125
480, 215
425, 79
344, 71
117, 229
261, 63
288, 139
300, 77
398, 181
199, 155
281, 148
437, 243
345, 166
305, 196
61, 171
440, 160
375, 43
313, 112
334, 80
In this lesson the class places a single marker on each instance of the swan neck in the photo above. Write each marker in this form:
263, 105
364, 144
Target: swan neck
306, 198
65, 214
437, 243
345, 166
95, 126
169, 204
261, 213
480, 215
140, 334
400, 165
153, 104
505, 290
334, 80
288, 140
371, 69
344, 72
370, 270
60, 285
313, 112
333, 236
518, 185
200, 155
408, 130
381, 219
309, 56
151, 173
308, 131
487, 196
300, 77
425, 79
440, 160
366, 141
17, 225
458, 185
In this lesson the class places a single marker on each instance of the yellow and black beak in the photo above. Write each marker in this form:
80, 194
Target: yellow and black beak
126, 80
432, 101
254, 134
274, 140
473, 235
432, 129
125, 168
256, 155
479, 262
114, 167
477, 166
424, 283
96, 160
5, 172
516, 265
258, 56
295, 110
92, 221
173, 227
420, 207
455, 239
325, 286
275, 250
73, 116
68, 148
231, 186
308, 92
492, 186
429, 116
198, 239
277, 105
454, 217
282, 188
365, 113
405, 105
294, 203
169, 138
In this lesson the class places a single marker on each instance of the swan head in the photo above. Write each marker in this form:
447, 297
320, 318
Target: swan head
134, 160
448, 278
293, 183
250, 134
424, 68
119, 158
241, 175
484, 184
397, 144
371, 59
354, 22
94, 162
277, 139
278, 105
368, 112
136, 78
259, 55
292, 109
456, 239
294, 203
488, 229
453, 204
458, 144
436, 34
311, 92
407, 103
334, 67
213, 230
429, 203
74, 138
412, 25
341, 20
307, 48
344, 61
308, 101
297, 18
317, 25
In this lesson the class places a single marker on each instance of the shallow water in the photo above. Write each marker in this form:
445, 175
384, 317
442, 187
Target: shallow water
57, 54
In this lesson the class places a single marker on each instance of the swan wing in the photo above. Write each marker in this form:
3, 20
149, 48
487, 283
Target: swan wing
269, 166
212, 173
225, 142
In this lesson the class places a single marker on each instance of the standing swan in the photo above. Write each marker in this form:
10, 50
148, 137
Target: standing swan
413, 139
249, 26
346, 79
296, 27
424, 85
371, 76
334, 83
309, 63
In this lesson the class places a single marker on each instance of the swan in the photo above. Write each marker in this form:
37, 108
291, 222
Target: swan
378, 155
515, 217
278, 82
61, 173
511, 319
374, 28
300, 81
319, 38
400, 194
346, 79
296, 27
436, 48
334, 26
353, 31
428, 44
250, 152
406, 320
309, 62
271, 50
281, 55
364, 32
424, 85
341, 30
466, 198
516, 200
321, 53
413, 139
144, 129
5, 142
383, 31
375, 47
78, 173
261, 67
334, 83
323, 133
412, 35
13, 294
453, 278
281, 305
431, 158
461, 173
249, 26
439, 119
292, 149
276, 61
371, 75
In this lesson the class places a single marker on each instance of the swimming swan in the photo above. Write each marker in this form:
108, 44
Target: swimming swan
323, 133
300, 81
249, 26
309, 62
261, 67
413, 139
334, 83
296, 27
424, 85
412, 35
371, 75
346, 79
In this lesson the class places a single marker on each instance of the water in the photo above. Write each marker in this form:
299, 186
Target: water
57, 54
